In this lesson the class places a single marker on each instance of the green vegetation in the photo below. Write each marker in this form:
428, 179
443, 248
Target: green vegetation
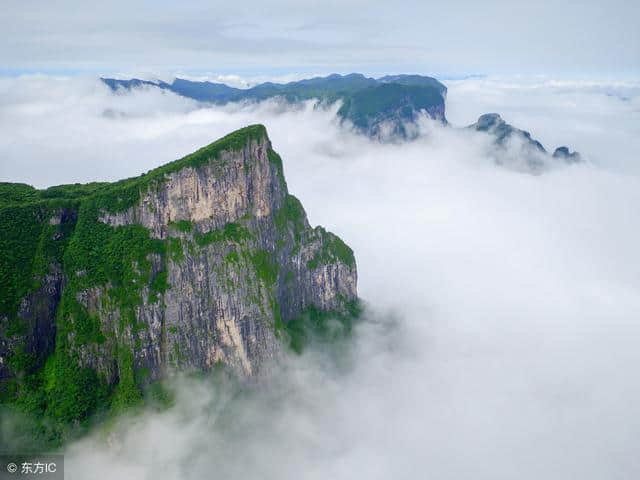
159, 285
174, 249
374, 102
333, 250
184, 226
364, 99
366, 102
126, 392
117, 259
231, 232
291, 214
106, 271
319, 325
266, 269
118, 196
232, 257
40, 230
72, 392
21, 227
275, 159
16, 193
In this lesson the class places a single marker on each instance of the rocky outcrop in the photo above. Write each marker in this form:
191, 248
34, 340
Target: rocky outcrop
516, 148
199, 263
563, 153
494, 124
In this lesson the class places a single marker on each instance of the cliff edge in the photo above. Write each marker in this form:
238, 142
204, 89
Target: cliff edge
198, 263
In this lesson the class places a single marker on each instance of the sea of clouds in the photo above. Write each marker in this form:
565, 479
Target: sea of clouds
500, 339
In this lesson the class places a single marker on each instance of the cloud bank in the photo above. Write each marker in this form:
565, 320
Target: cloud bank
500, 334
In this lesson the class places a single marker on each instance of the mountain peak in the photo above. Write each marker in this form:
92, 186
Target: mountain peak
205, 261
563, 153
488, 120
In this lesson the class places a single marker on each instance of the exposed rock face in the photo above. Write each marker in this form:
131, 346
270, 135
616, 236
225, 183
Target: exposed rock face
495, 125
194, 264
27, 335
35, 336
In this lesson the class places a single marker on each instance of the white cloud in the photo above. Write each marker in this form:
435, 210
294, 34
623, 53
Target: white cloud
459, 36
598, 117
501, 337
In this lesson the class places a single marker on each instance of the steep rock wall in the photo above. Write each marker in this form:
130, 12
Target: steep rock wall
198, 263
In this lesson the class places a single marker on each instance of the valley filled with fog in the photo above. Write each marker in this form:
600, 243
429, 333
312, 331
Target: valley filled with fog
499, 339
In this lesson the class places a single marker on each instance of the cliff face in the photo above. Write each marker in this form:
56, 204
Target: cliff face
198, 263
391, 110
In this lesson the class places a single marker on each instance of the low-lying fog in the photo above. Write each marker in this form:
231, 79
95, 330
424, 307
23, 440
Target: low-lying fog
501, 337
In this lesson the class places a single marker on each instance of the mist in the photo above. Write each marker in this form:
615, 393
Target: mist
499, 339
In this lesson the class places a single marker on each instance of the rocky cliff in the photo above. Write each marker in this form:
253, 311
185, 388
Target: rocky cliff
201, 262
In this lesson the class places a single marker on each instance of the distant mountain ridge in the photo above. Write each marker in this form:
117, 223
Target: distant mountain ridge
379, 108
386, 108
530, 150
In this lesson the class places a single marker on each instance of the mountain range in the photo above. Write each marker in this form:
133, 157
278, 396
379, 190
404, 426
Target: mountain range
379, 108
386, 108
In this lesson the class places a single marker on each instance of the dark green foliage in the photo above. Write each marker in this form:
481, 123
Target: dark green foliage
21, 361
72, 392
126, 393
16, 193
369, 103
232, 257
74, 190
265, 267
182, 225
99, 254
85, 326
291, 214
174, 249
333, 249
159, 285
28, 245
21, 227
232, 232
275, 159
319, 325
